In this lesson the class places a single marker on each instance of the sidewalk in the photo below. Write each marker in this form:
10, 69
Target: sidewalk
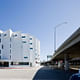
21, 67
18, 73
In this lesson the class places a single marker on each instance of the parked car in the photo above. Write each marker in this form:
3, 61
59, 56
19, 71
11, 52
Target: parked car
75, 76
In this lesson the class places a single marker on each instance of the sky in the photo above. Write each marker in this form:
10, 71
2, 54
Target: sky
39, 17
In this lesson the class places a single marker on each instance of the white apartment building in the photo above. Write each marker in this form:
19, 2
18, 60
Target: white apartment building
18, 49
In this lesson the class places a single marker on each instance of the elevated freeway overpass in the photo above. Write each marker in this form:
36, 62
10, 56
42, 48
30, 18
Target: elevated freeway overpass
68, 51
71, 47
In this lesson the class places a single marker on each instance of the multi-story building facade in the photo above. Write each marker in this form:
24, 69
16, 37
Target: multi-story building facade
18, 49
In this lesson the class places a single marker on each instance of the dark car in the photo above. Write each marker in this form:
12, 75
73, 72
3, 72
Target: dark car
75, 76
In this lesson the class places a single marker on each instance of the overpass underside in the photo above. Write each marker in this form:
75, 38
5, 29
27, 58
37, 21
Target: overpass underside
72, 52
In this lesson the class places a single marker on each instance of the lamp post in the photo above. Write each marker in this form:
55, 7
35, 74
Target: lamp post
55, 34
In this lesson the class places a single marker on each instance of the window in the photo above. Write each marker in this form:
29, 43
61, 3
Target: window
10, 56
30, 43
0, 57
0, 51
15, 35
0, 35
10, 45
23, 36
11, 63
5, 34
2, 46
10, 50
10, 39
31, 48
0, 40
23, 41
23, 63
30, 38
25, 57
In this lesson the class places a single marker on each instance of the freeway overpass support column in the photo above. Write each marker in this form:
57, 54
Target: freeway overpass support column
66, 61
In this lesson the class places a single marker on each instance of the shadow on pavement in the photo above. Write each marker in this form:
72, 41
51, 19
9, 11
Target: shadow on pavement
46, 73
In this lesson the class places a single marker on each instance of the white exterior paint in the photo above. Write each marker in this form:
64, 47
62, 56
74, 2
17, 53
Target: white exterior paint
17, 47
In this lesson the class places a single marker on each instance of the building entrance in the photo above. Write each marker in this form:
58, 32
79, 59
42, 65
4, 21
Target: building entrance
4, 64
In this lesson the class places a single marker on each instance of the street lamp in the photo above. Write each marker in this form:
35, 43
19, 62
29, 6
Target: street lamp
55, 34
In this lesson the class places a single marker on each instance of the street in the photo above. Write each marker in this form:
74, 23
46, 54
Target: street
35, 73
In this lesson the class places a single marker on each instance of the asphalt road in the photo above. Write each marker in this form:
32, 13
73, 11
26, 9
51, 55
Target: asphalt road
46, 73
